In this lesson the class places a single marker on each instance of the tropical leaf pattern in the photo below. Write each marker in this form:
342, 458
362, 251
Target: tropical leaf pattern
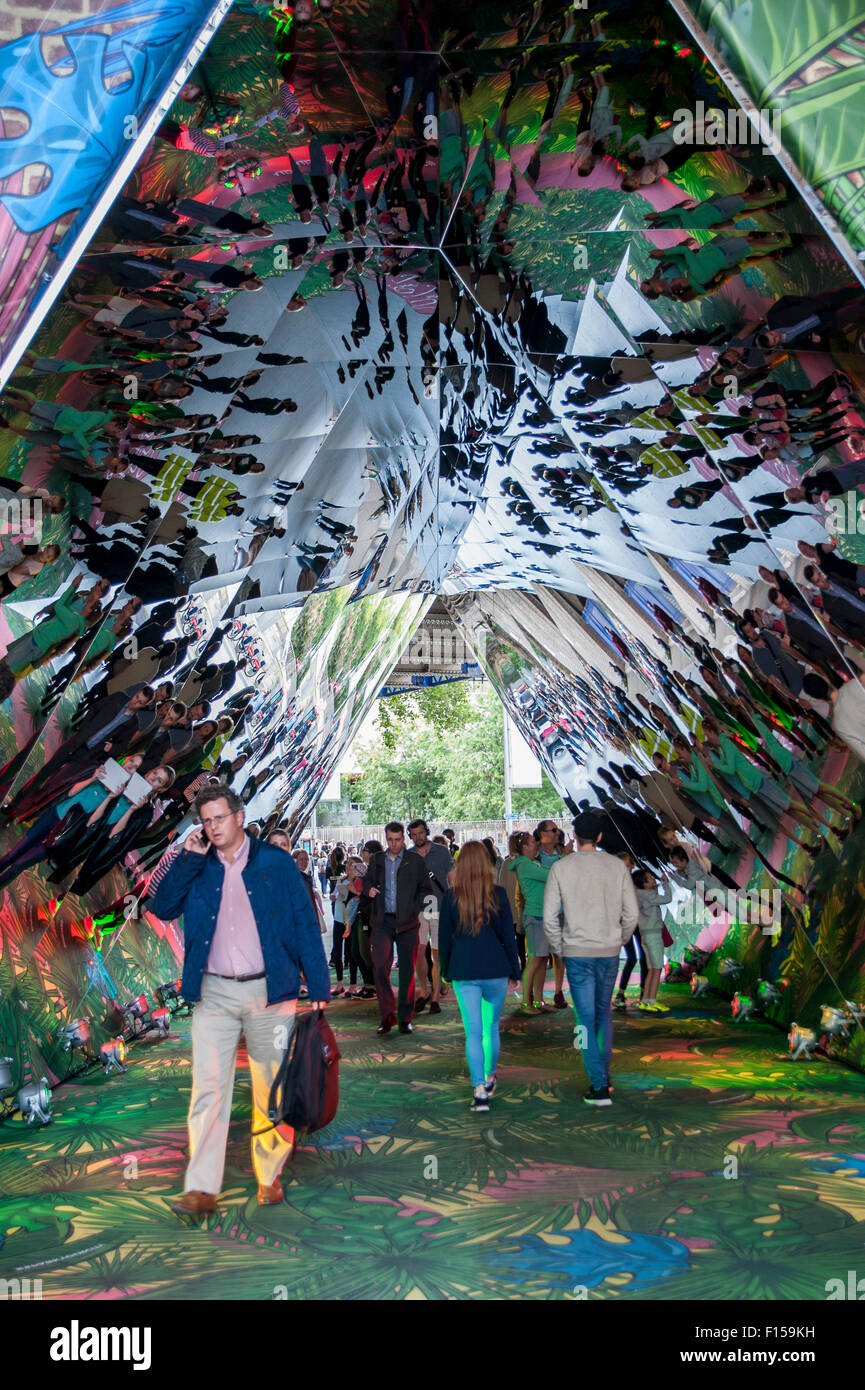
722, 1171
805, 62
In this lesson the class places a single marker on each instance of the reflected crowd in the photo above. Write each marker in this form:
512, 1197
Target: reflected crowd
462, 314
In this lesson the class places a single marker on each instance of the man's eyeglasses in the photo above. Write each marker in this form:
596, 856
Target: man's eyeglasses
214, 820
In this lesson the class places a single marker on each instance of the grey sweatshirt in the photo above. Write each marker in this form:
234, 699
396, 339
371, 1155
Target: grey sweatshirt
594, 893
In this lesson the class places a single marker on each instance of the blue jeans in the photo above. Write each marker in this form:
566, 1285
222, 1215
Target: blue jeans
480, 1003
592, 981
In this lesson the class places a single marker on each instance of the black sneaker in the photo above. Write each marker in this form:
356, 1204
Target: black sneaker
480, 1100
598, 1097
435, 1007
620, 1004
420, 1004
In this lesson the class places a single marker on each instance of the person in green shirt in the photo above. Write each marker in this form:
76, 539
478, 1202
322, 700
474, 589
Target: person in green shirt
719, 210
806, 783
551, 839
691, 216
688, 270
67, 619
88, 798
532, 877
79, 427
89, 652
693, 777
757, 790
539, 852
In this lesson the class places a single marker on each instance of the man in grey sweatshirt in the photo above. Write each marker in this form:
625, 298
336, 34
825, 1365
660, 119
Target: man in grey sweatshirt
594, 894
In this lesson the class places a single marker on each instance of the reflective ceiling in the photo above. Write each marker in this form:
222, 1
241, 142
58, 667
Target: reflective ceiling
411, 300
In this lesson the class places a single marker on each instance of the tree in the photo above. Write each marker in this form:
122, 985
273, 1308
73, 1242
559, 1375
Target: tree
443, 708
454, 771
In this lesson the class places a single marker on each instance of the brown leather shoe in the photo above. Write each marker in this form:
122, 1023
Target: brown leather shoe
270, 1196
194, 1204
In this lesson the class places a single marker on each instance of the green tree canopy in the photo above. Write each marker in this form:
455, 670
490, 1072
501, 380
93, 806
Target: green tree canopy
444, 763
444, 708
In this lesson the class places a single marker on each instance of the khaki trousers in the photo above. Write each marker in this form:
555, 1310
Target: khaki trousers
227, 1009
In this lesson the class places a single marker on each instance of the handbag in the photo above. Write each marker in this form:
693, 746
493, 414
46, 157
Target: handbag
666, 937
305, 1090
65, 834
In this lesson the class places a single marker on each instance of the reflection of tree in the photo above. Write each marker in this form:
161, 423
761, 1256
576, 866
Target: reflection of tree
319, 613
363, 622
361, 637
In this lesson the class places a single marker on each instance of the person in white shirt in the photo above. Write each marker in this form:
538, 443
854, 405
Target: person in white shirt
650, 897
848, 714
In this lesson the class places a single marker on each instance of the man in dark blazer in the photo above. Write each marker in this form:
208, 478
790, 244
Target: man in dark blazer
397, 884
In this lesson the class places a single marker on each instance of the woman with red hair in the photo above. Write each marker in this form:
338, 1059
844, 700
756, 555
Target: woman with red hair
478, 954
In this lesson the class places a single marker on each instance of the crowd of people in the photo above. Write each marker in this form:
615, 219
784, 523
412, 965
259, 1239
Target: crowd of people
452, 917
523, 874
165, 444
407, 925
149, 445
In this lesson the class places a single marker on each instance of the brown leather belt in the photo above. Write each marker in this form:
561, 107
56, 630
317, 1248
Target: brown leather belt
240, 978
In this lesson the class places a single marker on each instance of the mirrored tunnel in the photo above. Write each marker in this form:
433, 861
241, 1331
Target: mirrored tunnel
345, 308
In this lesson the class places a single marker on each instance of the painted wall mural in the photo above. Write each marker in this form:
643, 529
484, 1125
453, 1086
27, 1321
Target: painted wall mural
73, 91
801, 65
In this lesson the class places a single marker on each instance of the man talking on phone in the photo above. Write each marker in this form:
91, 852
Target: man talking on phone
249, 929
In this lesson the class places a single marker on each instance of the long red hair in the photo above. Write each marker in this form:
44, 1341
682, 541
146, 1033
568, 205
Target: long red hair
474, 886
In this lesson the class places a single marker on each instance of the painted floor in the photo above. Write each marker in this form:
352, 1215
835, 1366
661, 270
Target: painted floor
722, 1171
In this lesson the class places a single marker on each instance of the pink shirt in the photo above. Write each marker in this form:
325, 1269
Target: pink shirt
235, 948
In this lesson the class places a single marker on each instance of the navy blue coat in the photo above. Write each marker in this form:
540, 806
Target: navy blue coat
287, 925
491, 955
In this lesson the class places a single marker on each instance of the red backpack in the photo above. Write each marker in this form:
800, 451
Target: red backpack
305, 1091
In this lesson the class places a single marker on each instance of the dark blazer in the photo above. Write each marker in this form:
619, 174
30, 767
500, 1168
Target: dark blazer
412, 889
96, 719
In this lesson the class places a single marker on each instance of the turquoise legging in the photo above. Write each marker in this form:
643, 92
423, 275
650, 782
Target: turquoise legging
481, 1003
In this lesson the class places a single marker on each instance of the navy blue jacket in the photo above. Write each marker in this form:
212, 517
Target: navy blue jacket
287, 925
491, 955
